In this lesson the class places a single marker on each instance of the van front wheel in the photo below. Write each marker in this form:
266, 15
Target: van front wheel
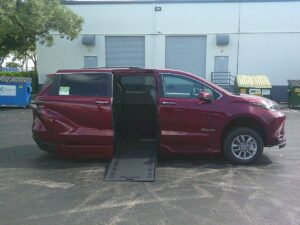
243, 146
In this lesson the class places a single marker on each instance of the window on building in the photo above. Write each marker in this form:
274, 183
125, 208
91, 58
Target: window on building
85, 85
90, 61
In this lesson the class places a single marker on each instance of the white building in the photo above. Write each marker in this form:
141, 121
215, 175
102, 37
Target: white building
255, 37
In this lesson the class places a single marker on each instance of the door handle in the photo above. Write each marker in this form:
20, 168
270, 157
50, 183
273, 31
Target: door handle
102, 102
168, 103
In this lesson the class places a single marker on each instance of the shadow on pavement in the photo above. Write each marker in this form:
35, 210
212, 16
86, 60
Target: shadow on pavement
30, 156
207, 161
12, 108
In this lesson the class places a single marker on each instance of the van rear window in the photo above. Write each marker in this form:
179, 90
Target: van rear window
85, 85
51, 83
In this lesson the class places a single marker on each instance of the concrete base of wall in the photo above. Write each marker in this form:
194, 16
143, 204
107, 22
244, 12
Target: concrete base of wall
280, 93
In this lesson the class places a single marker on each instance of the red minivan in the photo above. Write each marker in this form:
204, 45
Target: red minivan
86, 112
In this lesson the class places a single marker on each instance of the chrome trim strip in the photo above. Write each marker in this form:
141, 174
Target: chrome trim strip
83, 72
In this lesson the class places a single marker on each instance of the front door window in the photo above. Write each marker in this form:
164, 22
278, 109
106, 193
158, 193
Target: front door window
177, 86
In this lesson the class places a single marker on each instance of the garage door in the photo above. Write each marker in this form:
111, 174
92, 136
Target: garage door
125, 51
187, 53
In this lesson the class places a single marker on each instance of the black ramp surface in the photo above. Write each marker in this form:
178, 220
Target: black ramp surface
133, 162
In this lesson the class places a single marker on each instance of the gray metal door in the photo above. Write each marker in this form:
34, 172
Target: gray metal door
187, 53
125, 51
221, 64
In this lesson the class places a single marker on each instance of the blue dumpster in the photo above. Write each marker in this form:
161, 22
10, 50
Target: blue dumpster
15, 91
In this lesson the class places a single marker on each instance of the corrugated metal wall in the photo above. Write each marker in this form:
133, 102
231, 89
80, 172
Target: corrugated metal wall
125, 51
187, 53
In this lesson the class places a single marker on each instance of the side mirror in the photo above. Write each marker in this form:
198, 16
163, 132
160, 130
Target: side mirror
204, 96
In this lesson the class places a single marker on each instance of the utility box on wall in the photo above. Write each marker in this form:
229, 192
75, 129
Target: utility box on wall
89, 39
222, 39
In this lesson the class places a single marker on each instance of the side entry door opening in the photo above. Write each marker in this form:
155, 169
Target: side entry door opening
135, 108
135, 123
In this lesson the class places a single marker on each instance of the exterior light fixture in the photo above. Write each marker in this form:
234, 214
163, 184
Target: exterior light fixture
157, 8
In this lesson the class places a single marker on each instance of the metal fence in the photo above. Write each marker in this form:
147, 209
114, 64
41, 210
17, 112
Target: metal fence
222, 78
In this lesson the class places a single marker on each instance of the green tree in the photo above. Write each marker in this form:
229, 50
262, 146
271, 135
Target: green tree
27, 22
13, 64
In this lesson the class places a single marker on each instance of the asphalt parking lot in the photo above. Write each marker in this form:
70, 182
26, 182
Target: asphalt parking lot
36, 188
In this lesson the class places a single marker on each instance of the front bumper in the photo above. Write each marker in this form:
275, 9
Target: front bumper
276, 130
282, 143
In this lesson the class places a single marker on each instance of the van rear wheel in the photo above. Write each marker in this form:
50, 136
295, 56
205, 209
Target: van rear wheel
243, 146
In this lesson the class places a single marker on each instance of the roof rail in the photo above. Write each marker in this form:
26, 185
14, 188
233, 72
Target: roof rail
120, 67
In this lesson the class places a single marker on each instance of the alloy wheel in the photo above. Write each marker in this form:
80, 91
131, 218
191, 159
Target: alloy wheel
244, 147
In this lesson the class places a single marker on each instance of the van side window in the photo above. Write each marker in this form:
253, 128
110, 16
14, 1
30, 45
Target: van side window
53, 90
176, 86
52, 84
142, 86
85, 85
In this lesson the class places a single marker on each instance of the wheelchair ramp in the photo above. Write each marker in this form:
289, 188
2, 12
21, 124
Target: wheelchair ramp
133, 162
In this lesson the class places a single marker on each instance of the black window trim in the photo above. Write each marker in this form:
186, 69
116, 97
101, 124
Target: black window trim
110, 94
52, 87
161, 92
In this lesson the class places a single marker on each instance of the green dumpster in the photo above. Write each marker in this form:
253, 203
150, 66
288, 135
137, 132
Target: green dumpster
294, 93
258, 85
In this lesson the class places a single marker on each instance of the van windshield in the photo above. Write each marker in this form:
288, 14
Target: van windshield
229, 92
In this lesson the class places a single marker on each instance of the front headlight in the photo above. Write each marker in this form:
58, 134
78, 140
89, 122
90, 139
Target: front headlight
266, 106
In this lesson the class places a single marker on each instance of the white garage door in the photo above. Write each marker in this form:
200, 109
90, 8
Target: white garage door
187, 53
125, 51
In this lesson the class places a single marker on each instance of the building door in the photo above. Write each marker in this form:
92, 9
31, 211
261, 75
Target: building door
221, 64
123, 51
187, 53
220, 75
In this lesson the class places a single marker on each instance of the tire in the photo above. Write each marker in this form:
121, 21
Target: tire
243, 146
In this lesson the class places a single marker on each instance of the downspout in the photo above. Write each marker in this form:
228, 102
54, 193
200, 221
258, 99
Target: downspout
238, 43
